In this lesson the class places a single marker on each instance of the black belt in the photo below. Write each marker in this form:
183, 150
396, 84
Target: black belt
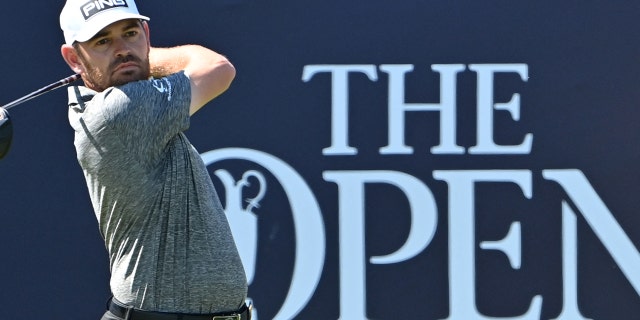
130, 313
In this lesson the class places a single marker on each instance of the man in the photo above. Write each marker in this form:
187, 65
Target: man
171, 252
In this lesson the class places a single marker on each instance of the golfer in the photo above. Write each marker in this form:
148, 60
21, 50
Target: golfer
171, 252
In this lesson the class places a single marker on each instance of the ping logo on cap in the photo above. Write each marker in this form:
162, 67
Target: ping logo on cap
94, 7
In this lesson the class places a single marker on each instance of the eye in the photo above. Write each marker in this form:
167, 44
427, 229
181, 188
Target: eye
131, 33
102, 41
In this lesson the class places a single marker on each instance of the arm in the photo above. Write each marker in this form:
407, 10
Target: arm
210, 73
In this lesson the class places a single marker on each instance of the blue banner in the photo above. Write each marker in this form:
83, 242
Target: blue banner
377, 160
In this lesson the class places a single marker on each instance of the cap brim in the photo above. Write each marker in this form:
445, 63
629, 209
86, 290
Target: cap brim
103, 21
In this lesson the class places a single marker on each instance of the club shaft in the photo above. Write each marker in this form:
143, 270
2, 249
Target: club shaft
41, 91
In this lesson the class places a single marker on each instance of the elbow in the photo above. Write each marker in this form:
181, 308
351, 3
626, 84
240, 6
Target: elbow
227, 73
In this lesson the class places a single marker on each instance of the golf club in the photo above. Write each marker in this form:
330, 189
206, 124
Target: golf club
6, 127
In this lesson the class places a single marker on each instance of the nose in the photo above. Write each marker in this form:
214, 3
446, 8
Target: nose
122, 47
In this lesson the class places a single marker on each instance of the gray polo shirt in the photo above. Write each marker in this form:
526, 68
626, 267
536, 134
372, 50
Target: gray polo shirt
170, 246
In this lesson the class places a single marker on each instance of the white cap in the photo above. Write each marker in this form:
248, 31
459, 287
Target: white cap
80, 20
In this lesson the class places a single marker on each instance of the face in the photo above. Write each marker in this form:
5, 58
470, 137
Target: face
116, 55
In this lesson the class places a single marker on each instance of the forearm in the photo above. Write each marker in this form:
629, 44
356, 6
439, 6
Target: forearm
210, 73
167, 61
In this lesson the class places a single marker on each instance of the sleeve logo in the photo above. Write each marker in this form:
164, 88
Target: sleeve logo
163, 86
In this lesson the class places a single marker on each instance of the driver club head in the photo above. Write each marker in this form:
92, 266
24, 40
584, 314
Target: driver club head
6, 132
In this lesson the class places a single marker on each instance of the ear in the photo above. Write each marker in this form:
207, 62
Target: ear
71, 57
145, 26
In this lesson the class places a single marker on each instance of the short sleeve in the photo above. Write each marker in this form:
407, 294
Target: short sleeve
145, 115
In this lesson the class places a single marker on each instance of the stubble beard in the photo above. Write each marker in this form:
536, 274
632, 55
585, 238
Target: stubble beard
100, 80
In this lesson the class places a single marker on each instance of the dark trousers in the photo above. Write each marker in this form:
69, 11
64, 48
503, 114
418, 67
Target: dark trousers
115, 308
109, 316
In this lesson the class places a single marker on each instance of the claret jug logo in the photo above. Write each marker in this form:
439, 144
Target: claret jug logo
307, 219
92, 8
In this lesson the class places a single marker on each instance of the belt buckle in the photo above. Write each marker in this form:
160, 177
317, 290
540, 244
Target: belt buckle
233, 317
